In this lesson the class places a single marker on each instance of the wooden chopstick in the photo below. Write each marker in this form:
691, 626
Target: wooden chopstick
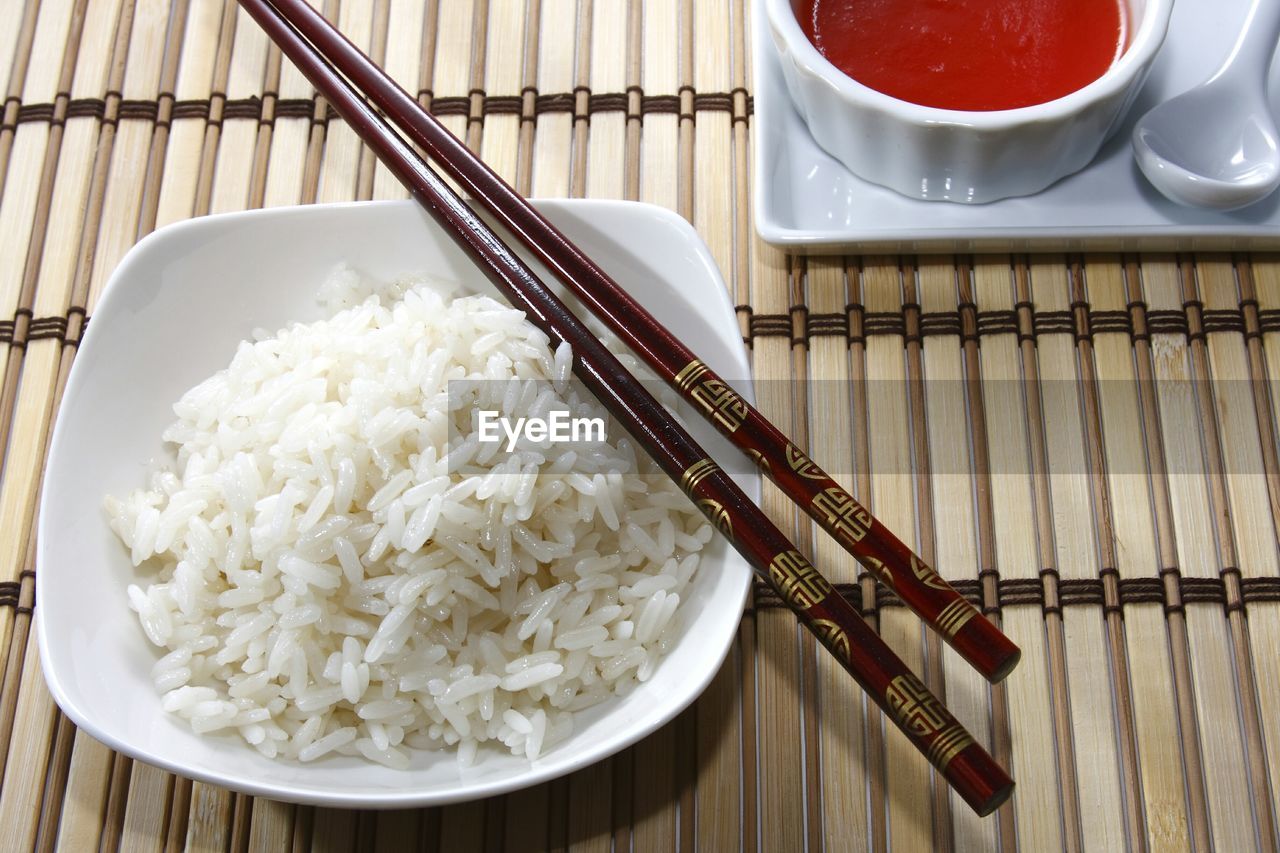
977, 640
924, 720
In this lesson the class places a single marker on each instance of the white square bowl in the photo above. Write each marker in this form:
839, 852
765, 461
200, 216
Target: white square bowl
172, 314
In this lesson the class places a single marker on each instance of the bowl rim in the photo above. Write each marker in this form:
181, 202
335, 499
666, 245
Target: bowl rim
69, 700
1142, 49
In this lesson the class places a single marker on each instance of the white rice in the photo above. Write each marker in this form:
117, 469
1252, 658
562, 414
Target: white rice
330, 573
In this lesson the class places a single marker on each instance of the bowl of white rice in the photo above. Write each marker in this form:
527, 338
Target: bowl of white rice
279, 553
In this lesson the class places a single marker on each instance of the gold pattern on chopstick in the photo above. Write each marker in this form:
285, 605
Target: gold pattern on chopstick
802, 465
759, 458
846, 518
949, 743
877, 568
690, 373
720, 402
954, 616
914, 707
695, 474
719, 516
926, 575
797, 581
833, 637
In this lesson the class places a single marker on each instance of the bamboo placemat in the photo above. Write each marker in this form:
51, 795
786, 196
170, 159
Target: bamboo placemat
1085, 444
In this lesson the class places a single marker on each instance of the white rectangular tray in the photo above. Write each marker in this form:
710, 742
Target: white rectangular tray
806, 201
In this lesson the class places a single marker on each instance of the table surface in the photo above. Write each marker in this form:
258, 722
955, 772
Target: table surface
1085, 444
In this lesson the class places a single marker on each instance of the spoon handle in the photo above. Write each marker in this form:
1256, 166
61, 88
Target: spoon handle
1255, 47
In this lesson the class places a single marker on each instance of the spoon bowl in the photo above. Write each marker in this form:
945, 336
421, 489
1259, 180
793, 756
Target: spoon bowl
1200, 150
1215, 145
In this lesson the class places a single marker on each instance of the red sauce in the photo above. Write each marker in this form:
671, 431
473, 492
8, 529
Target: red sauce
968, 54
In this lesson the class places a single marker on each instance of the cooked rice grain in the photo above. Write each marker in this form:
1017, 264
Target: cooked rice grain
331, 574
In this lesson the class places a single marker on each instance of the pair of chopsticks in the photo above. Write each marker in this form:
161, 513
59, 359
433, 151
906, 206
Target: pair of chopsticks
883, 554
316, 48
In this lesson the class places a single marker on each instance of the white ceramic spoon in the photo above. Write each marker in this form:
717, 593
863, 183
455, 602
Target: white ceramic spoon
1215, 145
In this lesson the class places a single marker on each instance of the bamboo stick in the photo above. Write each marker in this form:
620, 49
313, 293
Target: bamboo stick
271, 827
404, 64
287, 166
717, 804
187, 134
1217, 780
742, 17
377, 50
1090, 764
1222, 359
605, 132
84, 806
55, 783
954, 520
1050, 590
803, 540
15, 57
552, 161
24, 159
24, 406
529, 96
146, 813
839, 759
874, 750
892, 501
128, 170
779, 782
1266, 281
1007, 549
343, 150
233, 172
217, 107
1247, 303
942, 838
156, 155
462, 827
634, 93
1125, 523
453, 56
659, 145
339, 829
503, 72
525, 819
28, 754
398, 829
581, 136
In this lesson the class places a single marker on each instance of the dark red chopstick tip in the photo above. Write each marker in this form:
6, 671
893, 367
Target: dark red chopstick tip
995, 801
987, 649
1007, 666
979, 780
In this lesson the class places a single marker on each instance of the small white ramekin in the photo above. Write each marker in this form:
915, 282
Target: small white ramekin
956, 155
